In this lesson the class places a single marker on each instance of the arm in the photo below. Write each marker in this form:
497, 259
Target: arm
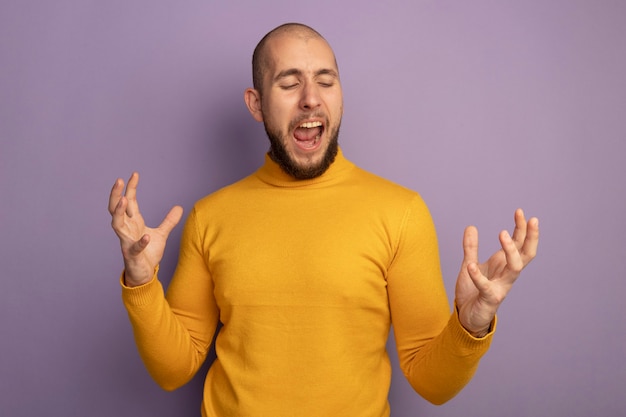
437, 356
173, 333
172, 336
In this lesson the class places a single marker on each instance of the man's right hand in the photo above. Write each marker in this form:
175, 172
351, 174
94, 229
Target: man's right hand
142, 246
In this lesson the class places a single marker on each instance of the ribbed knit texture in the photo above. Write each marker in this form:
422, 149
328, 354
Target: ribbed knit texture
306, 277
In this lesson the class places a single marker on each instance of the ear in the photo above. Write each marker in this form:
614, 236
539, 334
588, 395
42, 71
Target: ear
252, 98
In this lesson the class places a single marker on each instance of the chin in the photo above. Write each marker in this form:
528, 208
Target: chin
318, 163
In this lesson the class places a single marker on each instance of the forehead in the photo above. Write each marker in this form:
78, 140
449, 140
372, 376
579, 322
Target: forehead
302, 52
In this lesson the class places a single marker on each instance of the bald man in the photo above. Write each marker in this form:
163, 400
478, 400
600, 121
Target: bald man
306, 264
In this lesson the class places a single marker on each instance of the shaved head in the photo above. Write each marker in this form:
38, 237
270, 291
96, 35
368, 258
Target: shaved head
297, 95
260, 57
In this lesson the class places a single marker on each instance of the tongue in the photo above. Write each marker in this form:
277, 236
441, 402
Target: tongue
305, 134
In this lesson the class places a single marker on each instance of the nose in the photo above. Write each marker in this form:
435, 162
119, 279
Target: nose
310, 98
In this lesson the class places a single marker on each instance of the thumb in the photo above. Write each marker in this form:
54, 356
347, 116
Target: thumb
137, 247
171, 219
480, 281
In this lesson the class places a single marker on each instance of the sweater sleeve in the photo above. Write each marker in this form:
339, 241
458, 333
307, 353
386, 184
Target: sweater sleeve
437, 355
173, 333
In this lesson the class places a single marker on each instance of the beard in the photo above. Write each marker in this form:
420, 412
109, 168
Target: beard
278, 153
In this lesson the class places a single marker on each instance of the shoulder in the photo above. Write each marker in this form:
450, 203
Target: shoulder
228, 195
379, 187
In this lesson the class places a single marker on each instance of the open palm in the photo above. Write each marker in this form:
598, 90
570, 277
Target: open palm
481, 288
142, 246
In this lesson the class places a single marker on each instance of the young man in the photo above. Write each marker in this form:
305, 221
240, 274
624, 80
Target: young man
307, 263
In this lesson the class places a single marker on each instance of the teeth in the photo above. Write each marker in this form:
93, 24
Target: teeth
310, 125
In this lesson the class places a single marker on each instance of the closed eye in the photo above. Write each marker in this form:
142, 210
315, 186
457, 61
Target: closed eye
326, 77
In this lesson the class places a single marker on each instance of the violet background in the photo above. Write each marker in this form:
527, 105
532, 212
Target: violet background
481, 106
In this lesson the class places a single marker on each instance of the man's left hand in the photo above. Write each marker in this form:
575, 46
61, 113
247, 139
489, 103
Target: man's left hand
481, 288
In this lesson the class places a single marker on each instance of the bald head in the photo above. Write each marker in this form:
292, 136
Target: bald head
261, 57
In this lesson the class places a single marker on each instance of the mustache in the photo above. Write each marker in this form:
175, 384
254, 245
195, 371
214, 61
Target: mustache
313, 115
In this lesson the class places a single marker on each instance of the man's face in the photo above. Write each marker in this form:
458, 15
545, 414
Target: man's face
302, 104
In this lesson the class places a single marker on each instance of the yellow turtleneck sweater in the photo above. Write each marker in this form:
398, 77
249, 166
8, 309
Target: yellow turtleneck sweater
306, 278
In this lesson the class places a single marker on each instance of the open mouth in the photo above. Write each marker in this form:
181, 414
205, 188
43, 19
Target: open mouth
308, 134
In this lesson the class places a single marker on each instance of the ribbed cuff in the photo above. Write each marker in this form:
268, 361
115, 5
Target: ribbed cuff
143, 294
465, 340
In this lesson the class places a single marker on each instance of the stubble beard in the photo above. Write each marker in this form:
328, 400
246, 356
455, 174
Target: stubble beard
278, 153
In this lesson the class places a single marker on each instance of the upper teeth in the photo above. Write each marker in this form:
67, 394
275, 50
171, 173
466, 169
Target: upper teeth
310, 125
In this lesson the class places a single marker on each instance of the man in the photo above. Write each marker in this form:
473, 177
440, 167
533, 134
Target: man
306, 263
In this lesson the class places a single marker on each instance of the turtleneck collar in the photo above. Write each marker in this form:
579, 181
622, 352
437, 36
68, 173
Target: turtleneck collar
271, 173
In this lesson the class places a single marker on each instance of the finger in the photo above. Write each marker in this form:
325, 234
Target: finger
117, 216
171, 219
519, 233
512, 254
529, 249
470, 245
138, 247
480, 281
131, 195
116, 194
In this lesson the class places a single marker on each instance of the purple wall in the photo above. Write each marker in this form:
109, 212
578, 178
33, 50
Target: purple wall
481, 106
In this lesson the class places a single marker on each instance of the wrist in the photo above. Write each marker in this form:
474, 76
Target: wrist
130, 281
477, 334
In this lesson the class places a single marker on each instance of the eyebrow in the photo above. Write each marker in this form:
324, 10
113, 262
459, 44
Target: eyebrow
294, 71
